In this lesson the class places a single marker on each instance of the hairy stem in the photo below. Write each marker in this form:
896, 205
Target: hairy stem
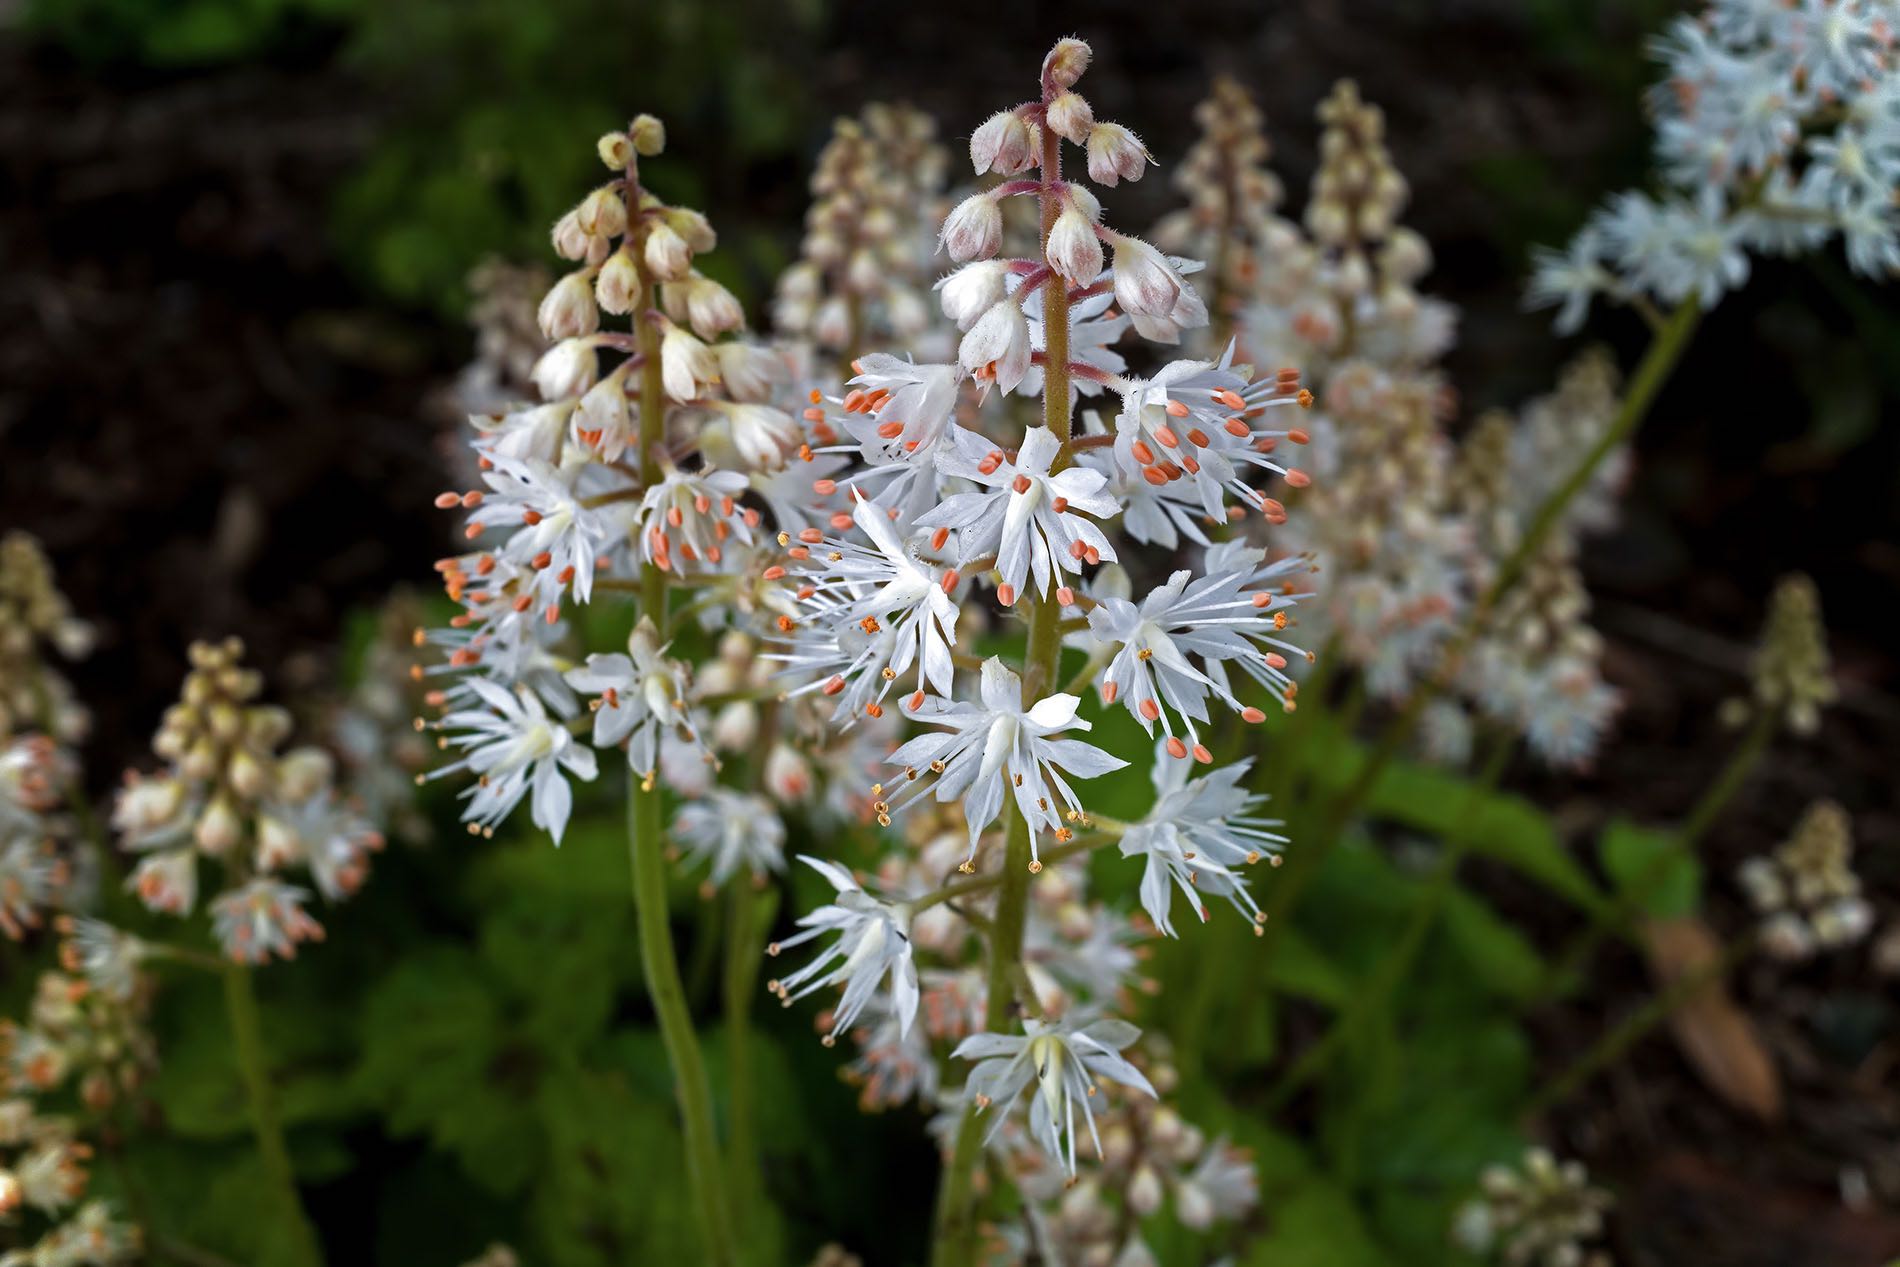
749, 912
956, 1235
645, 838
240, 1002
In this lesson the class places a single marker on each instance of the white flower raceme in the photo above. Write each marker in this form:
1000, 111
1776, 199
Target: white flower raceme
1234, 614
515, 747
637, 698
731, 830
1063, 1061
868, 616
262, 919
1033, 521
1197, 837
873, 943
996, 746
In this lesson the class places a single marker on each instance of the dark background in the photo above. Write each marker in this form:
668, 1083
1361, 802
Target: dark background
234, 233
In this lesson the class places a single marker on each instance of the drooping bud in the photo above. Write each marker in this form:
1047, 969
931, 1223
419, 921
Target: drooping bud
568, 309
617, 287
974, 229
685, 363
972, 290
1115, 154
1074, 252
566, 369
1067, 62
1003, 144
999, 341
648, 135
602, 214
1145, 283
667, 255
615, 149
1070, 117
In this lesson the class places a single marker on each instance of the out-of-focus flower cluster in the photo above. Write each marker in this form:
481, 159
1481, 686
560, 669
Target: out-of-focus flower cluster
863, 275
73, 1035
230, 794
1806, 891
1791, 677
1542, 1213
1778, 131
41, 857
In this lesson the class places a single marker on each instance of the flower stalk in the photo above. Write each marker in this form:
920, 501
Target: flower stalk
267, 1127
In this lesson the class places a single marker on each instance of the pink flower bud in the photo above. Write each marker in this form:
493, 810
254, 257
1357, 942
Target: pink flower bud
1074, 251
1115, 154
711, 309
974, 228
1146, 285
1003, 144
568, 309
1070, 117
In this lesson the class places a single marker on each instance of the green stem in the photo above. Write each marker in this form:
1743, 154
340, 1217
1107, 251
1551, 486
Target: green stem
662, 971
1612, 1044
1303, 863
749, 913
1613, 917
1397, 965
956, 1221
645, 837
240, 1002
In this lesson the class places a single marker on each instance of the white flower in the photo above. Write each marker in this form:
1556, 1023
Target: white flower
687, 518
1146, 285
262, 918
321, 833
984, 747
556, 536
566, 369
567, 310
1197, 837
869, 616
1032, 520
764, 437
1234, 613
1198, 421
1568, 280
108, 957
1063, 1061
873, 943
897, 414
513, 746
637, 698
167, 881
731, 829
996, 349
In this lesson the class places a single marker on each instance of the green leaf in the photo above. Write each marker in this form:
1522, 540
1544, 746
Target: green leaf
1300, 968
1317, 1226
1650, 869
1499, 956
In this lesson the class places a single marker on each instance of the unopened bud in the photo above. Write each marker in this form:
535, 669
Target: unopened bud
1003, 144
1070, 118
617, 287
974, 229
1066, 62
615, 149
649, 136
1074, 251
1115, 154
667, 256
568, 308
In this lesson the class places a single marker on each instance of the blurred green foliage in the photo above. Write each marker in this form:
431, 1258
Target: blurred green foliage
483, 110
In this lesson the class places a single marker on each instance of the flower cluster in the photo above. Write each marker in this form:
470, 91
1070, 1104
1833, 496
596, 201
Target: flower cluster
846, 543
1540, 1214
1231, 218
1778, 130
1536, 669
229, 795
1150, 1159
862, 278
40, 721
1806, 892
1791, 678
73, 1034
